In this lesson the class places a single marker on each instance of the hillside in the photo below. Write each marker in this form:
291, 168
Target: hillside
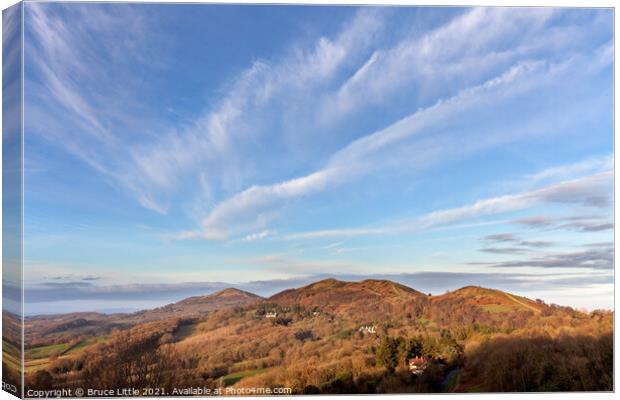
331, 337
49, 329
199, 305
492, 300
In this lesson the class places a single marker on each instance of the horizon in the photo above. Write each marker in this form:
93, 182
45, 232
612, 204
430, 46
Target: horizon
174, 148
266, 295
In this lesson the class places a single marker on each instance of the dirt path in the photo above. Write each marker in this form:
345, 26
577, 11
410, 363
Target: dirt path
511, 297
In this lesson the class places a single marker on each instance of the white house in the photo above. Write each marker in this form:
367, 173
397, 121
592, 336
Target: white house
367, 329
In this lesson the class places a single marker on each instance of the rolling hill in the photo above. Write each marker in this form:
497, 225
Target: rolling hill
492, 300
327, 337
347, 297
45, 329
199, 305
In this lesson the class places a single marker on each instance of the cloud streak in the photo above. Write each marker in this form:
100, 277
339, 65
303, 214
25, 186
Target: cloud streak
593, 259
591, 191
354, 159
150, 170
578, 224
210, 148
520, 246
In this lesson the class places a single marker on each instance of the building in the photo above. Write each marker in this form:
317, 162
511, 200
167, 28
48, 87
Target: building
271, 314
417, 365
368, 329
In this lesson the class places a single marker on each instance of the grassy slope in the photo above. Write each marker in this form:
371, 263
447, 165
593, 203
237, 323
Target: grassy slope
235, 377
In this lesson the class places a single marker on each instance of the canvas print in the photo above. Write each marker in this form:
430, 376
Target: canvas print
228, 199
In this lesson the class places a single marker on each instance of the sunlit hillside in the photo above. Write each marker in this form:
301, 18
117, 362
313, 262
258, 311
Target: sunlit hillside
371, 336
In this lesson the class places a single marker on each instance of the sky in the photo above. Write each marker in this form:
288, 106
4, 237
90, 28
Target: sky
174, 150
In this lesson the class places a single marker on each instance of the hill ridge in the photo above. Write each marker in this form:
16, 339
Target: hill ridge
492, 299
224, 293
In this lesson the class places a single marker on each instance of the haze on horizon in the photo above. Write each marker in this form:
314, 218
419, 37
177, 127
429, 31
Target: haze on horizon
175, 149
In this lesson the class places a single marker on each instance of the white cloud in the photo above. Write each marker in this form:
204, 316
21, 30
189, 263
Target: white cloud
469, 48
588, 166
258, 235
339, 233
246, 209
251, 208
515, 80
151, 170
591, 191
211, 141
76, 106
240, 211
207, 149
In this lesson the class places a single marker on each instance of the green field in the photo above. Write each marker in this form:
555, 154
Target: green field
11, 355
86, 343
45, 351
233, 378
8, 347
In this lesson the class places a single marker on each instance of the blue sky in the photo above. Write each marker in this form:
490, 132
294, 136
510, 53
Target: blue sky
175, 149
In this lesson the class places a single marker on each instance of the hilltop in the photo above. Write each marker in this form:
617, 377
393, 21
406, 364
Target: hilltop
200, 305
347, 297
492, 300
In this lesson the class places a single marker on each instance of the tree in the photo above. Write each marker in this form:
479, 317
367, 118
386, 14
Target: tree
412, 347
41, 380
389, 351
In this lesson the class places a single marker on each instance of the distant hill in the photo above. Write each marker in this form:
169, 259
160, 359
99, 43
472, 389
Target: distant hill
492, 300
199, 305
48, 328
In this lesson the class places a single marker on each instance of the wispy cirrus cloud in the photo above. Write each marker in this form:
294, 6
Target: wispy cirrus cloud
596, 259
586, 167
505, 250
586, 223
209, 140
91, 113
592, 191
210, 147
150, 170
258, 235
519, 246
355, 159
455, 51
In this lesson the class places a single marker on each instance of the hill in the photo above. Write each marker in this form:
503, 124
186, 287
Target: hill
350, 298
48, 329
199, 305
331, 337
492, 300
